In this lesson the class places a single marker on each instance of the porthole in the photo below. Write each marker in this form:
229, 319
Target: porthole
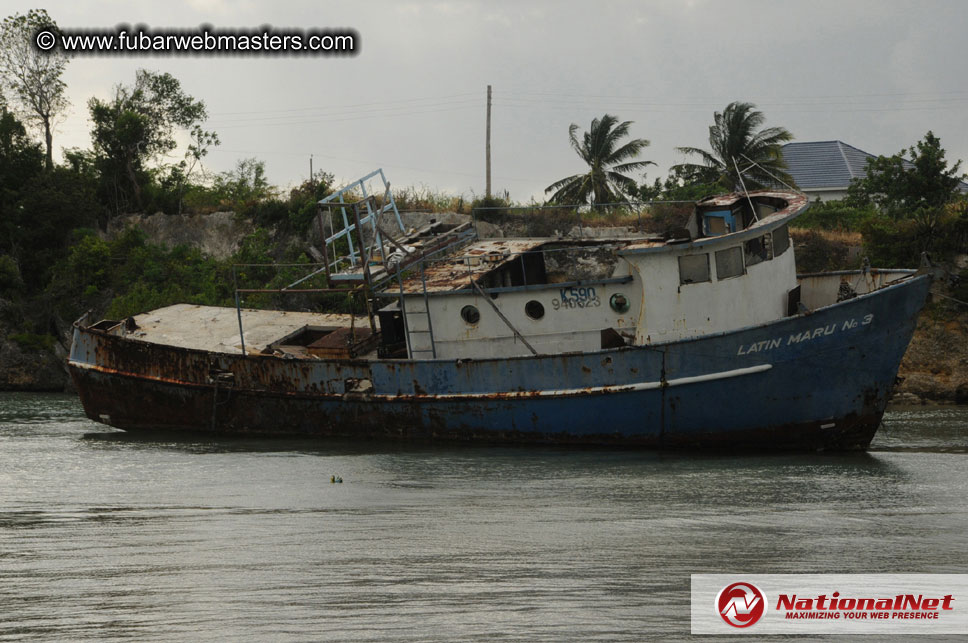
619, 303
470, 314
534, 309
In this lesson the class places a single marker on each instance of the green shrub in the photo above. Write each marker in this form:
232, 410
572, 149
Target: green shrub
33, 342
492, 203
89, 263
835, 215
424, 199
898, 243
302, 218
268, 212
817, 253
10, 281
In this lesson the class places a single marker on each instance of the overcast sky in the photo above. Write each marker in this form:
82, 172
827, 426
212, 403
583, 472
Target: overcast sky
876, 75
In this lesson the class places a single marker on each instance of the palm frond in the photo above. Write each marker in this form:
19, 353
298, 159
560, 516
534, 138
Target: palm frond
627, 151
631, 167
735, 134
607, 158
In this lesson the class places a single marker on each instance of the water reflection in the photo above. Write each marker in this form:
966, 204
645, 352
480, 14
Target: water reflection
938, 429
174, 537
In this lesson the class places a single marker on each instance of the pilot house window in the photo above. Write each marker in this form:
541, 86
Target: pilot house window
758, 250
781, 240
693, 269
729, 263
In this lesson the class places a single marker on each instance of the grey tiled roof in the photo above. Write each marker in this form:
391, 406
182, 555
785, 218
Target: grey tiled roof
824, 164
830, 165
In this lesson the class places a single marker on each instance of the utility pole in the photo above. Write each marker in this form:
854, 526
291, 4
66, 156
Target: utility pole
311, 184
487, 148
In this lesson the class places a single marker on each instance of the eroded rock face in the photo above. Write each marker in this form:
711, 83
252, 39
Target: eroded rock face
217, 234
935, 366
26, 369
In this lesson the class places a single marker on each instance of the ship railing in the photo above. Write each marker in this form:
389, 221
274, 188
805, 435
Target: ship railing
290, 289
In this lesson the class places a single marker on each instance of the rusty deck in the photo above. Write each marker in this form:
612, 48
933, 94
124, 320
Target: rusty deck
216, 329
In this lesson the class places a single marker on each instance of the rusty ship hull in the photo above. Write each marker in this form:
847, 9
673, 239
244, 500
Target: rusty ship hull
817, 380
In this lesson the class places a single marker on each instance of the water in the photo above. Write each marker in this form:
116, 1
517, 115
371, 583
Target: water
108, 537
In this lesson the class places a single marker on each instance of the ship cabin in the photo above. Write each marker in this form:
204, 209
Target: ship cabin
730, 266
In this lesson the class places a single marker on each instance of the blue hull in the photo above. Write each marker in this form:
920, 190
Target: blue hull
820, 380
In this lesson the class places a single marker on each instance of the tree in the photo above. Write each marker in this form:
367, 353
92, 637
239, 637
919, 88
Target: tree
38, 209
32, 75
20, 161
903, 189
736, 142
138, 126
20, 158
607, 159
678, 187
916, 205
197, 150
246, 185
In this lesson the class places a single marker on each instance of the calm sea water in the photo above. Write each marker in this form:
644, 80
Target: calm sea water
104, 536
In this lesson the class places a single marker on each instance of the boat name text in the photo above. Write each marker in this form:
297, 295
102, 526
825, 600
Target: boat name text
805, 336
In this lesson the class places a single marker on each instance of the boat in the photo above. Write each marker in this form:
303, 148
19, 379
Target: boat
702, 337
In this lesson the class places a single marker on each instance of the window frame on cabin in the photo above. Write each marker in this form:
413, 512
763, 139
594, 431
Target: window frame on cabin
780, 248
694, 259
724, 263
753, 255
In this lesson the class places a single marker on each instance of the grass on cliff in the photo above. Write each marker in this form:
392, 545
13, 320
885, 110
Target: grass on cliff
33, 341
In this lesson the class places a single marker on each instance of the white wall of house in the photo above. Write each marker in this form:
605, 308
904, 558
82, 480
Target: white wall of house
826, 194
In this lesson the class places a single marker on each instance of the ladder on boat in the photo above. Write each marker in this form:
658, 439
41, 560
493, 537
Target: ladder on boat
413, 314
379, 251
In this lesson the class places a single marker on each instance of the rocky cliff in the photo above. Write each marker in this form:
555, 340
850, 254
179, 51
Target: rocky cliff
935, 366
217, 235
27, 368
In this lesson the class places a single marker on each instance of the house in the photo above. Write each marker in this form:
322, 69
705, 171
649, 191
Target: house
824, 169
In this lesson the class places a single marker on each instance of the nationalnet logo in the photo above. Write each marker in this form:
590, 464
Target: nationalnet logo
899, 606
741, 604
829, 603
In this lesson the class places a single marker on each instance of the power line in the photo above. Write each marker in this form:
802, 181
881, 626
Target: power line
570, 100
372, 162
674, 108
716, 100
381, 102
323, 112
325, 120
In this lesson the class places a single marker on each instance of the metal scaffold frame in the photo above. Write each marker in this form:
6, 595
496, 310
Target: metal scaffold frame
371, 219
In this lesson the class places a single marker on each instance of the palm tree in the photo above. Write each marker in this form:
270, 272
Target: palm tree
737, 147
605, 181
